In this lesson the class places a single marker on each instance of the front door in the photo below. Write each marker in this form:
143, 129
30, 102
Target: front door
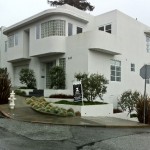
49, 65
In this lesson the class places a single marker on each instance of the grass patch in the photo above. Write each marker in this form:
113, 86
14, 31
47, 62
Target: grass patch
79, 103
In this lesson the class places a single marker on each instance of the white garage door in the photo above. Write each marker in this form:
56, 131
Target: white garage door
16, 75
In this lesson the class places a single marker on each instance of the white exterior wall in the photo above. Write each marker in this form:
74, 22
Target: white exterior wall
89, 52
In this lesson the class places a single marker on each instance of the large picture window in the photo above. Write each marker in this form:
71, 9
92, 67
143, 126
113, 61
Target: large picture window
53, 28
115, 69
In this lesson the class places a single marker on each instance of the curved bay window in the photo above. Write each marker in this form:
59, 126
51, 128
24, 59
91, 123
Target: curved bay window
53, 28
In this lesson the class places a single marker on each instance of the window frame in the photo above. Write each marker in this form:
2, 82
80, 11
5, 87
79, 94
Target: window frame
115, 71
132, 67
104, 28
148, 43
53, 28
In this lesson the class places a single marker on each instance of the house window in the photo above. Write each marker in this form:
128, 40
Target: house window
148, 43
79, 30
53, 28
115, 70
13, 40
62, 63
106, 28
70, 28
38, 31
5, 46
133, 67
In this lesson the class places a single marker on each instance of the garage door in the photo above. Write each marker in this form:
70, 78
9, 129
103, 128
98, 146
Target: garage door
16, 75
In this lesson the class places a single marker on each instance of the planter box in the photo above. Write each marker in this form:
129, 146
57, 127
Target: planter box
90, 110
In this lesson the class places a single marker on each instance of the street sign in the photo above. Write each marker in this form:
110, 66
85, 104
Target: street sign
145, 72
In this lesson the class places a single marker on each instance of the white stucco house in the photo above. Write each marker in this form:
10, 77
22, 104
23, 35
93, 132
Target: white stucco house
112, 44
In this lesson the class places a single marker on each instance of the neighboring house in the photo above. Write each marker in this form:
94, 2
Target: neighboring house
112, 44
3, 48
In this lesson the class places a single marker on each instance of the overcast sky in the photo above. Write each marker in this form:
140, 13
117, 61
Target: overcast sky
13, 11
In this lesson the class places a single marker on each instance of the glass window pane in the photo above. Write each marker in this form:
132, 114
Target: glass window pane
113, 73
70, 28
118, 68
79, 30
108, 27
118, 78
101, 28
112, 78
113, 68
118, 74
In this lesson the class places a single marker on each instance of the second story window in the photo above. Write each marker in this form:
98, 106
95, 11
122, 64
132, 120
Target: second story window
13, 40
79, 30
5, 46
53, 28
37, 31
148, 43
70, 29
106, 28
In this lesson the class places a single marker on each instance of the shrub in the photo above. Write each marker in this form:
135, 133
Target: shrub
61, 96
20, 93
27, 77
57, 78
5, 85
128, 100
117, 110
77, 113
93, 85
140, 109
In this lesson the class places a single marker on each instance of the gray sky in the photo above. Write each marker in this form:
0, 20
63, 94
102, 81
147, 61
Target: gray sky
13, 11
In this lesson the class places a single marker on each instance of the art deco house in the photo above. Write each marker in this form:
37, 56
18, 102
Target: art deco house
112, 44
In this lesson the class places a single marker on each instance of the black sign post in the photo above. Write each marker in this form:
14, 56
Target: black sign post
145, 74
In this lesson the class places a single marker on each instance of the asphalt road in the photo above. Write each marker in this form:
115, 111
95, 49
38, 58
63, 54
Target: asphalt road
15, 135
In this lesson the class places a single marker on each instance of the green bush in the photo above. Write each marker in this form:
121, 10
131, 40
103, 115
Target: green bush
20, 93
128, 100
93, 85
27, 77
140, 109
5, 85
57, 78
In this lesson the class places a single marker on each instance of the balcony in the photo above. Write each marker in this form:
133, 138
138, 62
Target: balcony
98, 41
47, 46
17, 53
104, 42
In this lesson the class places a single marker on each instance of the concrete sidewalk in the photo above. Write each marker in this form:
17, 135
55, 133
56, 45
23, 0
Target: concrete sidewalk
23, 112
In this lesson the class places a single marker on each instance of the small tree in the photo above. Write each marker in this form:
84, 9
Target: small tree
57, 77
93, 85
128, 100
27, 77
5, 85
80, 4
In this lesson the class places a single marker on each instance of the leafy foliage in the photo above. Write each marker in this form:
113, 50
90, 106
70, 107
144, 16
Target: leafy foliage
20, 93
61, 96
41, 105
57, 78
80, 4
5, 85
128, 100
140, 109
93, 85
27, 77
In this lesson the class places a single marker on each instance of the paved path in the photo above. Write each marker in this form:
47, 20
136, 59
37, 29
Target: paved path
23, 112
